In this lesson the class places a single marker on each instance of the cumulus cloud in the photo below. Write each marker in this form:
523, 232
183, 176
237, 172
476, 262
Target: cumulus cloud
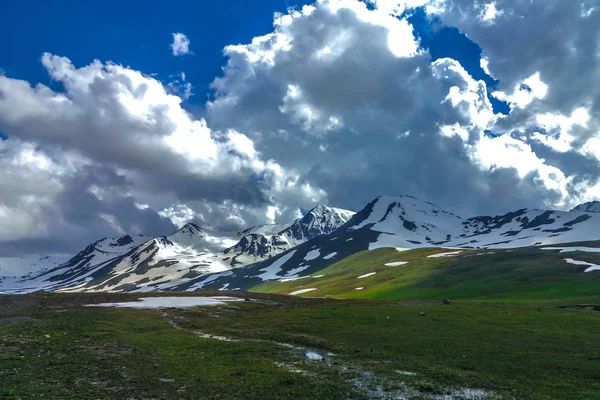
546, 73
115, 138
338, 104
330, 82
180, 45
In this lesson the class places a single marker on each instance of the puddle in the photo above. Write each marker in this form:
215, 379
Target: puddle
309, 354
407, 373
216, 337
170, 302
312, 355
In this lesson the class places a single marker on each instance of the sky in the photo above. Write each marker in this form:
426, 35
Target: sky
137, 117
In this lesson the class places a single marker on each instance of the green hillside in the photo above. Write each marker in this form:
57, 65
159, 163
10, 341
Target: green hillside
526, 274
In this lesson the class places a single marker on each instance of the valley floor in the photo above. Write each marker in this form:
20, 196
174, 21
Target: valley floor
282, 347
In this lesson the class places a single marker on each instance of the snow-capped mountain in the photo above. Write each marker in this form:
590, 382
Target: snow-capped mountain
406, 222
187, 260
591, 206
143, 263
259, 243
191, 236
77, 269
15, 267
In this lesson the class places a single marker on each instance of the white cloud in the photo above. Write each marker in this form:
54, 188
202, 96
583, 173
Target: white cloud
180, 214
489, 13
327, 84
524, 92
336, 105
560, 127
397, 7
180, 45
119, 138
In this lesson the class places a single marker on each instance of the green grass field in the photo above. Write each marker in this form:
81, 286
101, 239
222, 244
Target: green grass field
527, 274
517, 328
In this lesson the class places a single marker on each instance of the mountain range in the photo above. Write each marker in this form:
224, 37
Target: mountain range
193, 258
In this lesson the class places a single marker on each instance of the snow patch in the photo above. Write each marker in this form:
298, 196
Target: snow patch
331, 255
297, 292
292, 272
570, 249
592, 267
447, 254
366, 275
395, 264
311, 255
387, 240
359, 288
272, 270
293, 279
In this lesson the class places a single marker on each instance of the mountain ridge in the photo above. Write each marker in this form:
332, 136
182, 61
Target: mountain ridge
324, 235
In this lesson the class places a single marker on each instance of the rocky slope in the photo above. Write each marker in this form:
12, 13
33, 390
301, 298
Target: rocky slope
142, 263
406, 222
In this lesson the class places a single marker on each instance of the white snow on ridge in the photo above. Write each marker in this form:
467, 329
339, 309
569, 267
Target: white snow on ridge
409, 222
331, 255
378, 212
20, 266
267, 230
209, 279
359, 288
302, 291
447, 254
270, 272
592, 267
366, 275
395, 264
570, 249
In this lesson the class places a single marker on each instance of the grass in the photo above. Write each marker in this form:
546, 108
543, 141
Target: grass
527, 274
515, 330
511, 350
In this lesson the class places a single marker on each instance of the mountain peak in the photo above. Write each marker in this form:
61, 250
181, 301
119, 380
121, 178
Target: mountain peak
123, 241
322, 210
191, 229
590, 206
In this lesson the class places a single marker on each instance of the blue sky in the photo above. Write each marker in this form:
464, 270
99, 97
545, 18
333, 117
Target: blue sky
138, 33
133, 33
322, 111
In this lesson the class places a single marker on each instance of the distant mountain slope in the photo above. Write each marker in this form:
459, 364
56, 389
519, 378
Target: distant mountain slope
78, 268
186, 259
405, 222
257, 244
592, 206
540, 273
141, 263
15, 267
